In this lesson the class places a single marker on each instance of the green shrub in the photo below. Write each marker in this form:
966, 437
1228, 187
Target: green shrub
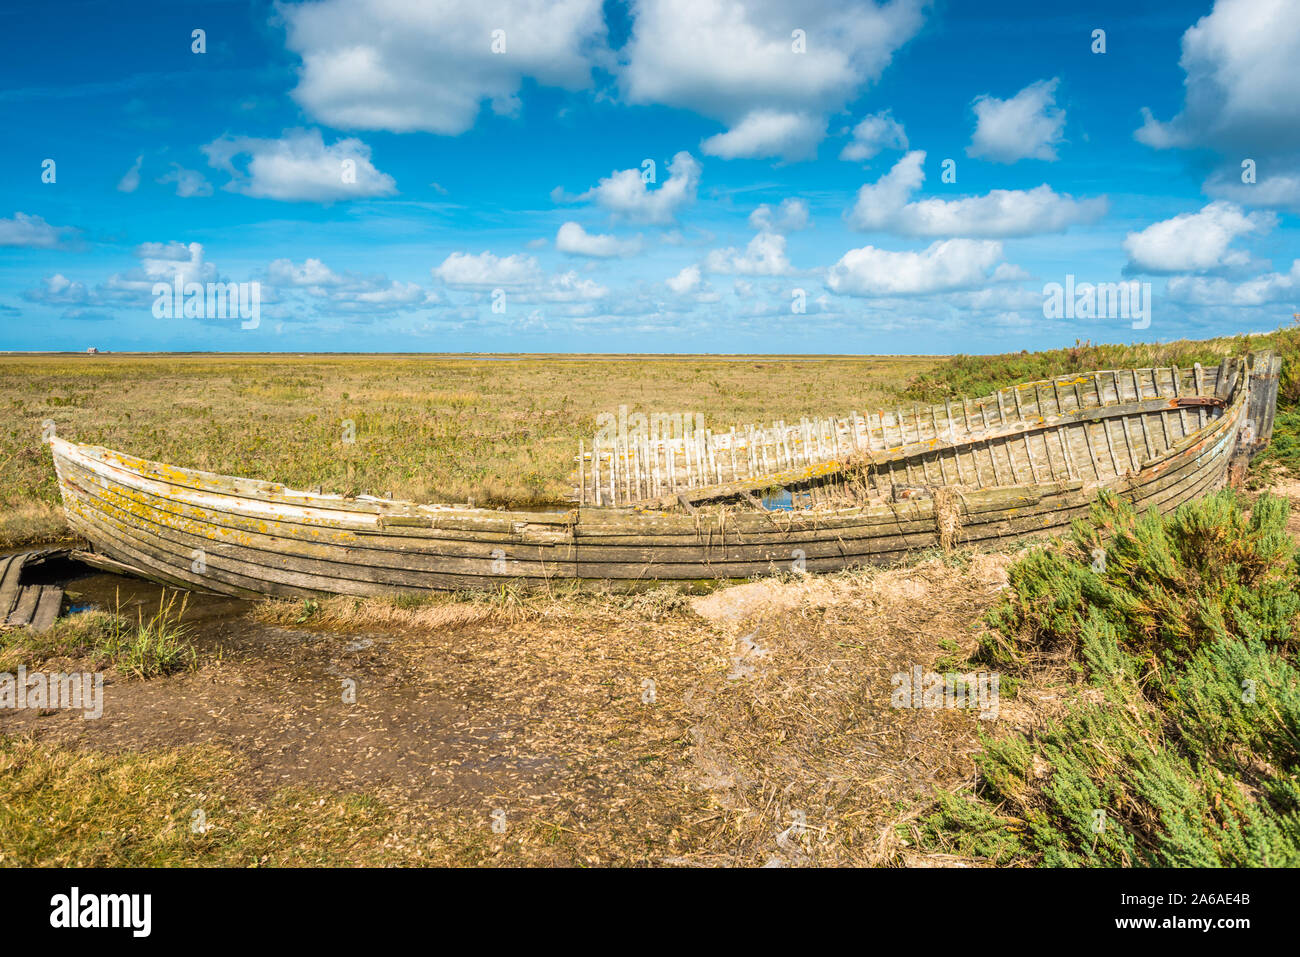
1190, 754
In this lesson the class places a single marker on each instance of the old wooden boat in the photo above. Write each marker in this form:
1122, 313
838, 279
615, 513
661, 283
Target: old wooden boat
864, 489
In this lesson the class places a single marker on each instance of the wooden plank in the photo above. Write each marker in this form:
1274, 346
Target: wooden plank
162, 560
318, 563
47, 608
398, 537
732, 561
1029, 503
26, 604
11, 569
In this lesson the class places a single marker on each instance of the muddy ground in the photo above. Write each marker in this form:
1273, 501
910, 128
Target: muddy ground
665, 732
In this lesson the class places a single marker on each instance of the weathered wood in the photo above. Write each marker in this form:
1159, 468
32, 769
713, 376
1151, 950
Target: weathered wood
263, 538
11, 570
872, 549
21, 613
47, 608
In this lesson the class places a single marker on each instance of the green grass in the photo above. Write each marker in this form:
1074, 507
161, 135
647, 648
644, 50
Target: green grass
1182, 748
72, 808
980, 375
31, 524
144, 648
429, 428
153, 646
1284, 450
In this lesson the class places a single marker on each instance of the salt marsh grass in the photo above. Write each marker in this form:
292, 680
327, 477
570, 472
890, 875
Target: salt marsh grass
425, 428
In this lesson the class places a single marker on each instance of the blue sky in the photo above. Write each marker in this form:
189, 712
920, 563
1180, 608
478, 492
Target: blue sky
393, 183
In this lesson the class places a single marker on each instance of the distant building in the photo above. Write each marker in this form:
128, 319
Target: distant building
92, 350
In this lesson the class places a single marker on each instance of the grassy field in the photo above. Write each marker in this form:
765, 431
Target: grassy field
502, 432
1157, 695
498, 431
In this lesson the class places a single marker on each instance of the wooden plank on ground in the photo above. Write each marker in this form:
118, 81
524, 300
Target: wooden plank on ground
11, 570
47, 607
22, 613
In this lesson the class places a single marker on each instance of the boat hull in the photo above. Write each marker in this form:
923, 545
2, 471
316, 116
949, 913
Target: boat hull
197, 530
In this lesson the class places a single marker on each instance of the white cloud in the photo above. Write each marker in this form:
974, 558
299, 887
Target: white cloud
1240, 62
877, 132
463, 270
345, 292
166, 261
312, 272
688, 280
188, 182
764, 256
1195, 242
944, 266
1001, 212
159, 262
626, 194
519, 274
385, 295
735, 62
1272, 190
568, 287
31, 232
1027, 126
59, 290
689, 288
295, 292
789, 135
993, 299
1217, 291
1240, 65
406, 65
789, 217
576, 241
886, 205
879, 205
130, 180
299, 167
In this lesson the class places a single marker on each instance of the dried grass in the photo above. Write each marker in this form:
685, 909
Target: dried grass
769, 698
947, 515
809, 728
32, 523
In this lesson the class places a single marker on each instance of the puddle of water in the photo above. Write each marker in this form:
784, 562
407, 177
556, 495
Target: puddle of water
88, 589
781, 501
